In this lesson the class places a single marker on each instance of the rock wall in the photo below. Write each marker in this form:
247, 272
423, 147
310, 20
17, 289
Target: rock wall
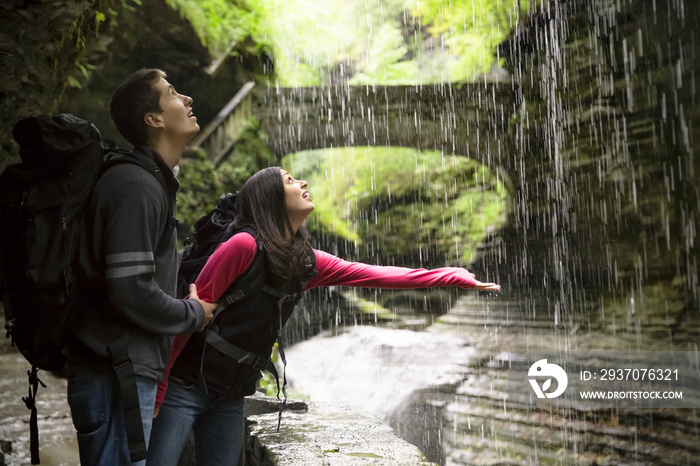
44, 49
606, 167
70, 56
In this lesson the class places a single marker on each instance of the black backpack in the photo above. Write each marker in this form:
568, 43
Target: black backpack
41, 199
41, 203
210, 231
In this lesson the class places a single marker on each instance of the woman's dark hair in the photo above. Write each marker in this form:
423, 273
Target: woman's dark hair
135, 97
261, 203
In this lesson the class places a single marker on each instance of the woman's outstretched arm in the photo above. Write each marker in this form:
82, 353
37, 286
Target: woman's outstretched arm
335, 271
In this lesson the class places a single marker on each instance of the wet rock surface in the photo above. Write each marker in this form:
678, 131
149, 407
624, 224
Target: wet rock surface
489, 424
475, 418
313, 433
326, 433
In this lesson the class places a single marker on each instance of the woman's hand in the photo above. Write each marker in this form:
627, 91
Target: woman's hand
485, 286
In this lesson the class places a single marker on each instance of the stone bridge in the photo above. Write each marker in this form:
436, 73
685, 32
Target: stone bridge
467, 119
592, 132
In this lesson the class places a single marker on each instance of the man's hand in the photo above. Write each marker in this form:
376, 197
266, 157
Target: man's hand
208, 307
485, 286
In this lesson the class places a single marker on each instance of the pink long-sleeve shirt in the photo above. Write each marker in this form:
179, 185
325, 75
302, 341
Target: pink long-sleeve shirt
233, 257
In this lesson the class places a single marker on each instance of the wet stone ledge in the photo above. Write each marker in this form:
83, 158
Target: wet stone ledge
310, 434
325, 433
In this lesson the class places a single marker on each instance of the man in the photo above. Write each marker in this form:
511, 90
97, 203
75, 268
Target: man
129, 261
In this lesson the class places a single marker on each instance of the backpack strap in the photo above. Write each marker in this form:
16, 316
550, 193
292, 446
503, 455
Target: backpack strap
130, 398
30, 402
241, 356
250, 282
116, 345
155, 166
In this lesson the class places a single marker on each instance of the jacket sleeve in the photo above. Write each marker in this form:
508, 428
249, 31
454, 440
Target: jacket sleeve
335, 271
230, 259
132, 235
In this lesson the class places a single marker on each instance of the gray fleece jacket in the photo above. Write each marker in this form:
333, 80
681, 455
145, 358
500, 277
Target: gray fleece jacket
128, 258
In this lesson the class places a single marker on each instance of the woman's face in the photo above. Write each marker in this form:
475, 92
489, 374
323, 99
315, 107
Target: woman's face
297, 198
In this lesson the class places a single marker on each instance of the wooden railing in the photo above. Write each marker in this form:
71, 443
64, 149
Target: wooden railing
218, 138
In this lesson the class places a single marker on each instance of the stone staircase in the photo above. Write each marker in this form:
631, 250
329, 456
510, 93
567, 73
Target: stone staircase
219, 136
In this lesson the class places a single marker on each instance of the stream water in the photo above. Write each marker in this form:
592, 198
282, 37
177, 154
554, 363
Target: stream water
442, 385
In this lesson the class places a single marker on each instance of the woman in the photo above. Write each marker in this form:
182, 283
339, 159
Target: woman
206, 389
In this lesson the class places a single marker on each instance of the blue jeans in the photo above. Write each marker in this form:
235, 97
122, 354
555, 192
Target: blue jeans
217, 421
98, 415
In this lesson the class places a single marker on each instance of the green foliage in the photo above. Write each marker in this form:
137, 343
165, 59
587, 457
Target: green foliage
387, 65
268, 385
203, 182
400, 203
219, 23
389, 41
471, 30
83, 40
366, 306
48, 49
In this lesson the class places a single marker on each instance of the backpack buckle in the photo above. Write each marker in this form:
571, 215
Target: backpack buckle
255, 361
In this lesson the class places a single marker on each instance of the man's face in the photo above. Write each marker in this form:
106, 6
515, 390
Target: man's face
177, 118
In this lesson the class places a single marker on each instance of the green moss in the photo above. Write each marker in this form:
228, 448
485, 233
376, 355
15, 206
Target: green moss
365, 306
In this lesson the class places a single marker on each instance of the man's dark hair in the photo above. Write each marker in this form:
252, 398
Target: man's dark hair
135, 97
